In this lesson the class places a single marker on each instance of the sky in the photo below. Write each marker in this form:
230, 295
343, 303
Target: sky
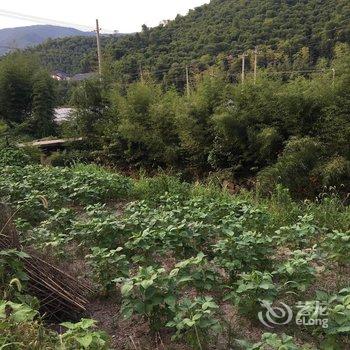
125, 16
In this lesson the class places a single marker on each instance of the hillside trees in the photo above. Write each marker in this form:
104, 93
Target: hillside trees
89, 102
43, 105
294, 133
142, 124
27, 96
290, 35
15, 89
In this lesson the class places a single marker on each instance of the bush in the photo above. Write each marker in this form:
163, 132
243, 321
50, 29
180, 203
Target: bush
153, 188
295, 168
14, 157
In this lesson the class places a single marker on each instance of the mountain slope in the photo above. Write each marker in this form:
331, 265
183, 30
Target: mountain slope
233, 26
286, 31
23, 37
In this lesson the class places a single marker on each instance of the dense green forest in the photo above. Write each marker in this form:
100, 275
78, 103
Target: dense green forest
295, 133
291, 34
72, 55
210, 213
290, 127
273, 131
28, 96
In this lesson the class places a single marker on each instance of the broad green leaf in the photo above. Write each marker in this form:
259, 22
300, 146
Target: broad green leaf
85, 340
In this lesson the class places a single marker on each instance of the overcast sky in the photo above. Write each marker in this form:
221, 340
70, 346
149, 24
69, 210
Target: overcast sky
123, 15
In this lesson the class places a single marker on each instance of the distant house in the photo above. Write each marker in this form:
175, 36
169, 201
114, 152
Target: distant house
60, 75
84, 76
63, 114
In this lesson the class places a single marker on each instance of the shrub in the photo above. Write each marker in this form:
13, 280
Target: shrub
294, 168
270, 341
252, 288
337, 245
336, 173
107, 265
297, 273
14, 157
193, 319
150, 293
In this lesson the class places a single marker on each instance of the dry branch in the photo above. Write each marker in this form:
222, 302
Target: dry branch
60, 295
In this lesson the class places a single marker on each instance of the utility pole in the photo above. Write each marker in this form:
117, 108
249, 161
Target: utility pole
243, 56
141, 73
256, 52
188, 82
333, 77
99, 54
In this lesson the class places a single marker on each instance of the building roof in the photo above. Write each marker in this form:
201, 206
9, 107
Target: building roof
49, 143
83, 76
60, 74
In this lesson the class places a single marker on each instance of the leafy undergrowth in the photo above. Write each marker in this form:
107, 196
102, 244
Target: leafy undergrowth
184, 266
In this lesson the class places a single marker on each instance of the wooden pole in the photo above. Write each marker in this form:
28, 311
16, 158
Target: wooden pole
243, 56
99, 53
333, 77
255, 63
188, 82
141, 73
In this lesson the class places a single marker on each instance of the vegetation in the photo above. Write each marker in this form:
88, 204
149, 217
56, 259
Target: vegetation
27, 97
254, 227
291, 35
294, 133
72, 55
179, 255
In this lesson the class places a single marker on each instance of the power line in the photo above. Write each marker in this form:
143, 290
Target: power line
8, 47
36, 19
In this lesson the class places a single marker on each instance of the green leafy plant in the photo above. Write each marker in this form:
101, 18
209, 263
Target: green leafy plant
150, 293
100, 228
299, 235
108, 265
297, 273
337, 245
52, 234
81, 335
21, 328
12, 274
193, 320
242, 252
198, 272
336, 313
250, 289
270, 341
14, 156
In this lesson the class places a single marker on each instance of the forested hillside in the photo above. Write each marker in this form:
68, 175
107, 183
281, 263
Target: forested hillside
23, 37
188, 207
289, 33
72, 55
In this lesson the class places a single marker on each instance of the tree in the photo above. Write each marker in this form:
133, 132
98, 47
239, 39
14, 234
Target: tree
16, 88
43, 124
88, 100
